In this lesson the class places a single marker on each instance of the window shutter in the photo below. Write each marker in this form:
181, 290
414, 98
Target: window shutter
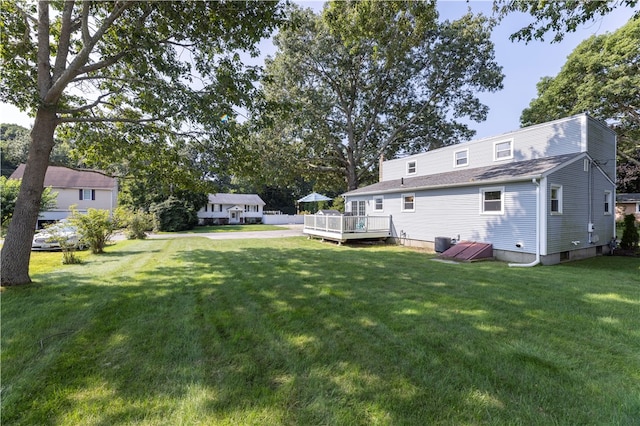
93, 194
80, 195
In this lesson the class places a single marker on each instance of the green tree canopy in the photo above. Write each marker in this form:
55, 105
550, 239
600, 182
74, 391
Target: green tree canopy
9, 189
557, 17
126, 81
369, 79
14, 149
601, 77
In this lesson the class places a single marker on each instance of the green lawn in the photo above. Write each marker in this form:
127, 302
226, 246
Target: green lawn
294, 331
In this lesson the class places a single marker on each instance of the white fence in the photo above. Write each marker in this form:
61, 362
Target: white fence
282, 219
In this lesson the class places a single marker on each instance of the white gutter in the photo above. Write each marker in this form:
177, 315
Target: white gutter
537, 259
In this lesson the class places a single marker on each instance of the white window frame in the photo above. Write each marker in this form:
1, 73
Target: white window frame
412, 164
496, 157
608, 207
466, 158
637, 207
483, 191
558, 189
404, 204
87, 194
375, 204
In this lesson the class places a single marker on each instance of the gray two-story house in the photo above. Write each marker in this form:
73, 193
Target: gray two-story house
541, 194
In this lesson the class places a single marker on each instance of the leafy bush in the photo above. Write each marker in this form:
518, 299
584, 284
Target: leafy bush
137, 223
140, 223
630, 237
96, 227
174, 215
67, 243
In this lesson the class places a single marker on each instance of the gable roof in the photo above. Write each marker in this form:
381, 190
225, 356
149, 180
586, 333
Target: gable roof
243, 199
514, 171
63, 177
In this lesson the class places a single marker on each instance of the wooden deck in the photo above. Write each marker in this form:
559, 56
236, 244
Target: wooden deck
344, 228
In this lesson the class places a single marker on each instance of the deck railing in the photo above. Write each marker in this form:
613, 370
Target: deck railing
347, 224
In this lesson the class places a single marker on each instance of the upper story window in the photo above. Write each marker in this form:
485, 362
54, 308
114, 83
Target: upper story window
491, 200
408, 203
502, 150
87, 194
556, 199
412, 167
378, 204
461, 158
607, 202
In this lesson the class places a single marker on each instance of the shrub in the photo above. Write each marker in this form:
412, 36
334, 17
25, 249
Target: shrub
630, 237
174, 215
139, 224
96, 228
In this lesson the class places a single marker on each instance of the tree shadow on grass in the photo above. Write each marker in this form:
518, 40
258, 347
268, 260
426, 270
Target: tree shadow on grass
300, 335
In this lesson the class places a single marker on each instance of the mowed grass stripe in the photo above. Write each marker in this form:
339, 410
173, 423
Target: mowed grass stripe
292, 331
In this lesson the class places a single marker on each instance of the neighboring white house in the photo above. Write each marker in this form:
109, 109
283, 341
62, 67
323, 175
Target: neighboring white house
542, 193
83, 188
222, 209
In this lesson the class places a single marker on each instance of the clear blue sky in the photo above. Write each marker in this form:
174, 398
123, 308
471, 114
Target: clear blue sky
523, 64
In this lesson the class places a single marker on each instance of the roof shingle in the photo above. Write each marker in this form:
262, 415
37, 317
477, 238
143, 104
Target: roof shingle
63, 177
480, 175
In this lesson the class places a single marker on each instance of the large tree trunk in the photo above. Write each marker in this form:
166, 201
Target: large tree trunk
16, 251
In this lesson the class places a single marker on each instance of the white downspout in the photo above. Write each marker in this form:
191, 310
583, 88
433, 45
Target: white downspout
537, 259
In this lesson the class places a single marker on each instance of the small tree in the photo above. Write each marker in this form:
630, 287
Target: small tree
68, 246
9, 189
95, 228
137, 223
630, 237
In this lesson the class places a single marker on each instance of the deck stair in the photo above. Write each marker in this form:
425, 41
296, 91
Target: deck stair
469, 251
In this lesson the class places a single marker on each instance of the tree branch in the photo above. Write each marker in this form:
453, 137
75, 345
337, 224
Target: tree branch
88, 106
65, 37
113, 120
81, 59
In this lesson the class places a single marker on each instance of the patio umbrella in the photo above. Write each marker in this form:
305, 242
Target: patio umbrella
314, 196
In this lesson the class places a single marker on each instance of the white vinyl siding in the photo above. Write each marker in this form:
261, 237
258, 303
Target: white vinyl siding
537, 141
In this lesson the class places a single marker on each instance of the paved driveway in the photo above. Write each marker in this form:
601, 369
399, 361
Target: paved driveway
291, 231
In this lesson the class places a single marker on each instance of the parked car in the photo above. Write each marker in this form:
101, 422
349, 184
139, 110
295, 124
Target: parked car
51, 237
